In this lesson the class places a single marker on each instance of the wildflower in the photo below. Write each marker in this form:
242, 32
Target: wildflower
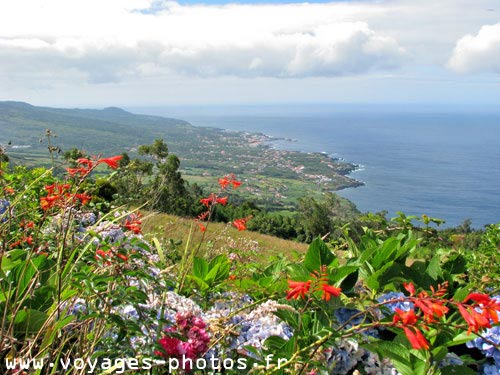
329, 291
224, 182
474, 319
222, 201
416, 338
132, 223
240, 224
112, 162
209, 200
84, 198
298, 289
405, 317
410, 288
203, 228
407, 320
9, 190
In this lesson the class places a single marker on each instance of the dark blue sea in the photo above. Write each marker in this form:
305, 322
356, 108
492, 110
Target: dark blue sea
439, 161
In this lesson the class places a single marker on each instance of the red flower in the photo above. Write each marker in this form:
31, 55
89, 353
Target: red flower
84, 198
475, 320
202, 227
224, 182
209, 200
9, 190
410, 288
478, 297
240, 224
222, 201
416, 338
298, 289
132, 223
329, 291
405, 317
236, 184
112, 162
431, 309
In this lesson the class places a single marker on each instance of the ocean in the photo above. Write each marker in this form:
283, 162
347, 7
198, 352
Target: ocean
440, 161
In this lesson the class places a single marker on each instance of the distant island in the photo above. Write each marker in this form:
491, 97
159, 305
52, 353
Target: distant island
275, 178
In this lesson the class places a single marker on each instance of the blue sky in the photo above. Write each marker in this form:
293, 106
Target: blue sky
159, 52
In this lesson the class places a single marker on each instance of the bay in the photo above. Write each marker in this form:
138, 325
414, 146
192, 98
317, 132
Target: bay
439, 161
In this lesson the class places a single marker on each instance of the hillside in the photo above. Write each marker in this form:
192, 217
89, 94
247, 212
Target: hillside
275, 178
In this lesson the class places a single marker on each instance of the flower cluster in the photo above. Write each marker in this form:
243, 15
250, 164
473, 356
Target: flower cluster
59, 195
318, 283
489, 344
87, 165
194, 341
214, 199
478, 310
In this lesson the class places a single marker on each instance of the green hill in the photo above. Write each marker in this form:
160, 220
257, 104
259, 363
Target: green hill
275, 178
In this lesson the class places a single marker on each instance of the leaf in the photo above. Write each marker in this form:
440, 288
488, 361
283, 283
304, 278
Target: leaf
385, 251
461, 293
434, 268
29, 320
318, 255
200, 267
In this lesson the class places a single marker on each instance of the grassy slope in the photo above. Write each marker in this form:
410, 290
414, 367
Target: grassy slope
219, 238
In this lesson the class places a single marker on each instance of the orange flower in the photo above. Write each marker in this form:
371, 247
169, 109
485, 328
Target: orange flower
202, 227
224, 182
405, 317
329, 291
416, 338
240, 224
475, 320
222, 201
112, 162
9, 190
410, 288
209, 200
298, 289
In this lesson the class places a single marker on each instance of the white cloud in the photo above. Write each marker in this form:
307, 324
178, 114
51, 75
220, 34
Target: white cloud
478, 53
108, 41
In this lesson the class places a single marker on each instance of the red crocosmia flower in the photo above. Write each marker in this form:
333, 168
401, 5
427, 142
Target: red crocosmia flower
298, 289
416, 338
202, 227
224, 182
479, 298
122, 257
84, 198
209, 200
410, 288
329, 291
29, 240
85, 161
405, 317
240, 224
431, 309
112, 162
235, 184
222, 201
50, 188
475, 320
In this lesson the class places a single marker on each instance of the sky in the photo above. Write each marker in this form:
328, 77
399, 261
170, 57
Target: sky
94, 53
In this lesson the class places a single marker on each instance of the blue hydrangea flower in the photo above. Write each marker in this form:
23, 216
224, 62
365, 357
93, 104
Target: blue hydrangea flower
4, 206
399, 301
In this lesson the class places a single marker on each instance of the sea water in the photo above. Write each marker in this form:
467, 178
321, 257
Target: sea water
442, 162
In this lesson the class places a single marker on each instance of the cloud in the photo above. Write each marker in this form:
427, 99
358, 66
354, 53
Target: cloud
109, 41
478, 53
